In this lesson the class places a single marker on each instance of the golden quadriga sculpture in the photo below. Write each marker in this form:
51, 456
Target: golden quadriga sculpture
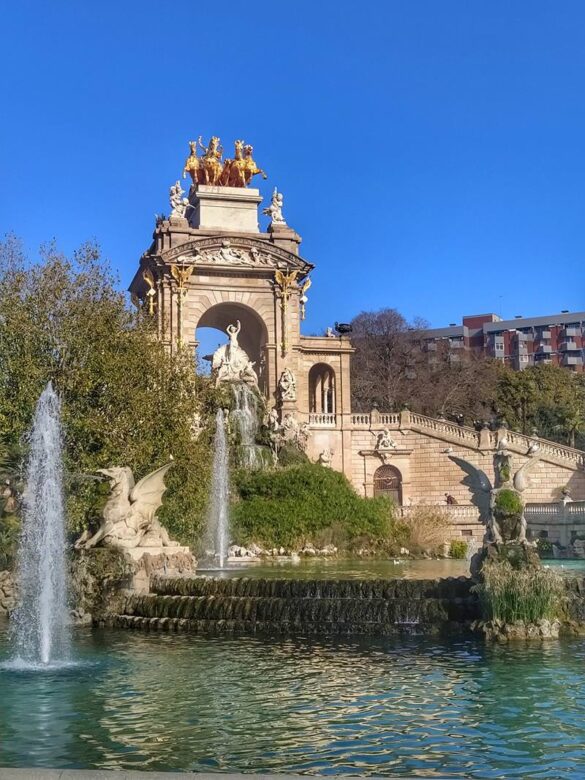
211, 169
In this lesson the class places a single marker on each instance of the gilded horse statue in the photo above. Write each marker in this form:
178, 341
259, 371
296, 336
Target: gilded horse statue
233, 170
193, 163
251, 168
211, 165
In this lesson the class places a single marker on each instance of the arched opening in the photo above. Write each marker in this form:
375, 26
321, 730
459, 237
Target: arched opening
253, 337
388, 482
322, 389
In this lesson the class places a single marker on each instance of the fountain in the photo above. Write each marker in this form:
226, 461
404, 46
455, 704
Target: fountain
218, 524
39, 630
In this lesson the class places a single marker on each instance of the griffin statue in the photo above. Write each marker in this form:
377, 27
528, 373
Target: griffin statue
129, 516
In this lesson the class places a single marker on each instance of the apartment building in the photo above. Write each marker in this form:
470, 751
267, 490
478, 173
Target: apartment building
558, 339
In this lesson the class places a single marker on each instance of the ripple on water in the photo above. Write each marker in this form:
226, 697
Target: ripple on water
405, 707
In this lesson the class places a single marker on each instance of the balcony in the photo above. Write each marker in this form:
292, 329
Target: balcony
570, 333
568, 346
572, 360
544, 348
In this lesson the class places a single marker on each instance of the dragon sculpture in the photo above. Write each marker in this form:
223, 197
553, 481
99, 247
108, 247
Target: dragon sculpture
129, 516
500, 505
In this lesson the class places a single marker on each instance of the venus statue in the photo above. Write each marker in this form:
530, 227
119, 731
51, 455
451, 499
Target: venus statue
230, 363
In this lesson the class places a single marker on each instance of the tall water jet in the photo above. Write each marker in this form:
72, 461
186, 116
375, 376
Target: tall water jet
39, 627
218, 525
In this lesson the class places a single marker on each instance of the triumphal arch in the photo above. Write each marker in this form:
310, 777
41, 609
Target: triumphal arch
210, 265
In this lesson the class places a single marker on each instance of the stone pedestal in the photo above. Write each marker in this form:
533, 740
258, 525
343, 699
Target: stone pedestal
224, 208
158, 562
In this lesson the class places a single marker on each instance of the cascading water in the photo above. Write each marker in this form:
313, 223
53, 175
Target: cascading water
218, 526
244, 419
40, 623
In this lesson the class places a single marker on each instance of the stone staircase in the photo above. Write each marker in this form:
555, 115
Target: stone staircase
462, 435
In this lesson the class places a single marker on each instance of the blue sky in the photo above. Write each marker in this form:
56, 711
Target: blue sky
430, 153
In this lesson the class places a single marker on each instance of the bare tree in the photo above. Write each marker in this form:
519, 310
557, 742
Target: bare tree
392, 367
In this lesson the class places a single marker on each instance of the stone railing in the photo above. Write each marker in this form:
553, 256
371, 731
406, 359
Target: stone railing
546, 447
322, 420
460, 432
487, 439
457, 513
484, 440
376, 419
571, 512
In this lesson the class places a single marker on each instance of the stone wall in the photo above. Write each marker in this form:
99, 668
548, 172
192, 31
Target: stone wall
7, 592
421, 455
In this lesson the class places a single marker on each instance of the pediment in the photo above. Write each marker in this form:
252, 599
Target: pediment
243, 253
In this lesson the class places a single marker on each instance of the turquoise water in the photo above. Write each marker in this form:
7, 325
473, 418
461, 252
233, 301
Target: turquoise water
411, 706
339, 568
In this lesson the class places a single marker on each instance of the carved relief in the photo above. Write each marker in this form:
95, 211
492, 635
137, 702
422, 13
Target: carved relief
238, 252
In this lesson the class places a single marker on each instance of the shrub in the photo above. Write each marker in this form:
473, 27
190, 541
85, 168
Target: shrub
514, 595
290, 455
544, 547
427, 527
508, 502
9, 533
293, 506
458, 549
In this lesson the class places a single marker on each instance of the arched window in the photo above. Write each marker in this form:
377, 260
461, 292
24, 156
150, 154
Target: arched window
322, 389
388, 482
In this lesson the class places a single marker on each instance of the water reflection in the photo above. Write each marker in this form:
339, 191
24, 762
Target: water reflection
403, 706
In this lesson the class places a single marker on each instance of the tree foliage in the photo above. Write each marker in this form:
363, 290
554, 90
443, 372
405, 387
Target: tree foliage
125, 400
392, 368
547, 399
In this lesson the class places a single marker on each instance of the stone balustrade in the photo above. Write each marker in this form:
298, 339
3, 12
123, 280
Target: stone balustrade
455, 512
322, 420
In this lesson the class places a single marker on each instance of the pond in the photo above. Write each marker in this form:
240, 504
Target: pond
366, 568
404, 707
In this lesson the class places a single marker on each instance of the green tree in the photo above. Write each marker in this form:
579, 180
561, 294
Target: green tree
125, 399
547, 398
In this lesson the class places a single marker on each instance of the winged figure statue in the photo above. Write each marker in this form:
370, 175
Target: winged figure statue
500, 506
129, 516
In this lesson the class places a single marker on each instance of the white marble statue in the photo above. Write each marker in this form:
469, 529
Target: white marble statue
385, 441
273, 420
230, 363
129, 516
326, 458
179, 204
274, 211
287, 386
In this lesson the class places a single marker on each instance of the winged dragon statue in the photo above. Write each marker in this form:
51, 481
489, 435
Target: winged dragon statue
500, 505
129, 516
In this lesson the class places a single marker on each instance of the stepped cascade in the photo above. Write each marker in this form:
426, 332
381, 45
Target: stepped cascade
328, 607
